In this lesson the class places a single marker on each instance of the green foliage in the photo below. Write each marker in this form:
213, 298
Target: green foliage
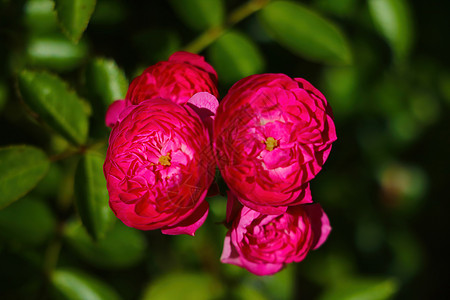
235, 56
191, 285
121, 246
106, 80
91, 196
363, 289
74, 16
200, 14
21, 167
393, 20
28, 222
290, 24
55, 103
55, 52
73, 284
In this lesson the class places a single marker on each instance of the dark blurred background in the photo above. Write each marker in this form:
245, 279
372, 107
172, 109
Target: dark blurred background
383, 186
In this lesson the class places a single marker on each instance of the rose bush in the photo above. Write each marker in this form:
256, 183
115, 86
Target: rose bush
178, 79
159, 166
264, 244
272, 134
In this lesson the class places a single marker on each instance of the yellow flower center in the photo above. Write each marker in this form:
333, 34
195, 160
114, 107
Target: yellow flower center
164, 160
271, 143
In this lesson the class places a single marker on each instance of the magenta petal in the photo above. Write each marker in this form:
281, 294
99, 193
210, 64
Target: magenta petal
113, 112
320, 224
193, 59
192, 223
264, 209
205, 105
229, 253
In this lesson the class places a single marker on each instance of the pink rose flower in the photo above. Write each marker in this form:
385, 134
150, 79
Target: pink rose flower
264, 244
177, 79
272, 134
159, 166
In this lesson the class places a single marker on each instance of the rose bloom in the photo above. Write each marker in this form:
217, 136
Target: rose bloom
264, 244
159, 166
177, 79
272, 134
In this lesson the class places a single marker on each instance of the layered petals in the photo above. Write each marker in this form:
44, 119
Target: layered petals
159, 166
272, 134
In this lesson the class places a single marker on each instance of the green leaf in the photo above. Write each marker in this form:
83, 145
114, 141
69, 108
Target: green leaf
73, 284
28, 221
106, 80
393, 20
193, 286
235, 56
59, 107
362, 289
305, 33
91, 195
121, 247
21, 168
74, 16
40, 16
200, 14
55, 52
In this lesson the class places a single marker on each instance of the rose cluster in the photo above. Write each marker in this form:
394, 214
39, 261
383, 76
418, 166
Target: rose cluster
269, 136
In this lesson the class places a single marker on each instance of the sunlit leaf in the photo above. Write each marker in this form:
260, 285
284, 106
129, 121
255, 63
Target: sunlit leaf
362, 289
73, 284
305, 33
40, 16
193, 286
200, 14
393, 20
28, 221
106, 80
74, 16
55, 103
21, 168
91, 195
55, 52
235, 56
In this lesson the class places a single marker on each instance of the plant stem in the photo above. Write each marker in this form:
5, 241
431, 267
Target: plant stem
212, 34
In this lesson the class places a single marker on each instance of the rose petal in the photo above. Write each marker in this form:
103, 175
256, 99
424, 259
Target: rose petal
113, 112
192, 223
320, 224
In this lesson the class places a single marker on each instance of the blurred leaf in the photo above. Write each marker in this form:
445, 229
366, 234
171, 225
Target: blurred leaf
106, 80
393, 20
73, 16
305, 33
248, 293
109, 12
28, 221
49, 185
408, 253
91, 195
163, 42
121, 247
193, 286
200, 14
342, 8
55, 103
235, 56
40, 17
362, 289
55, 52
4, 94
76, 285
21, 168
281, 285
